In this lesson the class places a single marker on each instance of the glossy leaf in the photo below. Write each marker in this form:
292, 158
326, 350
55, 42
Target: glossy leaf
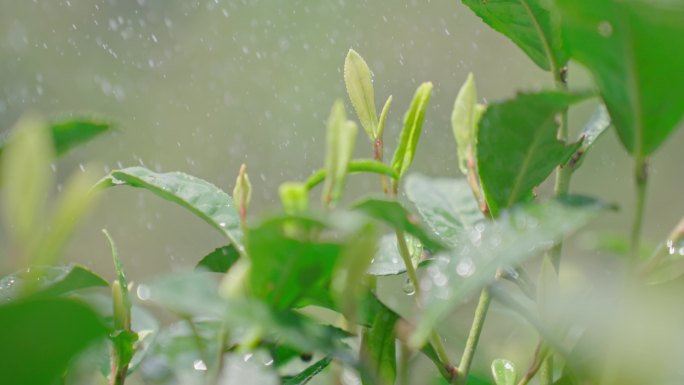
202, 198
309, 373
26, 179
518, 234
517, 147
40, 338
628, 48
341, 135
357, 78
379, 349
353, 167
239, 369
504, 372
413, 123
220, 260
534, 25
447, 206
48, 281
464, 122
70, 133
387, 260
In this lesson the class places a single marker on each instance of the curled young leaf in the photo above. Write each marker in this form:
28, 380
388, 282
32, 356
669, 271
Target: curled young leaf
339, 147
413, 123
464, 122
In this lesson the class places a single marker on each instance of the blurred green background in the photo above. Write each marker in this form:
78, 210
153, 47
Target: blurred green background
202, 86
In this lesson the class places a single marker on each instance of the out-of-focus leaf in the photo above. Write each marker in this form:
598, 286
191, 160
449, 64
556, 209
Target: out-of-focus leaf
413, 123
534, 25
379, 348
309, 373
357, 78
242, 193
285, 269
73, 204
124, 307
68, 134
595, 127
220, 260
387, 260
26, 180
48, 281
355, 166
395, 215
202, 198
464, 122
520, 233
517, 147
294, 196
447, 206
640, 81
504, 372
40, 337
341, 134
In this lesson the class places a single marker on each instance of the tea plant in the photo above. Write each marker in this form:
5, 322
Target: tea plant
296, 295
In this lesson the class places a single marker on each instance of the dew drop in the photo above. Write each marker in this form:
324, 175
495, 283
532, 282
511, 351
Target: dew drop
408, 287
605, 29
143, 292
199, 365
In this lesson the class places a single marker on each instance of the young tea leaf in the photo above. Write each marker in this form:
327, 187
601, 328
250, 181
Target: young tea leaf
517, 147
122, 302
202, 198
413, 123
388, 261
355, 166
464, 122
640, 81
534, 25
383, 117
357, 78
518, 234
339, 147
446, 206
68, 134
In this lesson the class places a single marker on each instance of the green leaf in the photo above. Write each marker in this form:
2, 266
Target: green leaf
464, 122
307, 374
379, 349
26, 179
518, 234
413, 123
353, 167
387, 260
286, 269
202, 198
517, 147
68, 134
48, 281
383, 117
447, 206
357, 78
595, 127
40, 338
395, 215
640, 80
504, 372
341, 135
533, 25
249, 369
220, 260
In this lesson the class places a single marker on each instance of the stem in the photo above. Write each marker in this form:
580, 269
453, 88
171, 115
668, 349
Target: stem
404, 358
413, 278
540, 355
474, 336
641, 179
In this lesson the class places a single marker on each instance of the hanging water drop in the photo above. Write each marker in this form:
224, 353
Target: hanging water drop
408, 287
